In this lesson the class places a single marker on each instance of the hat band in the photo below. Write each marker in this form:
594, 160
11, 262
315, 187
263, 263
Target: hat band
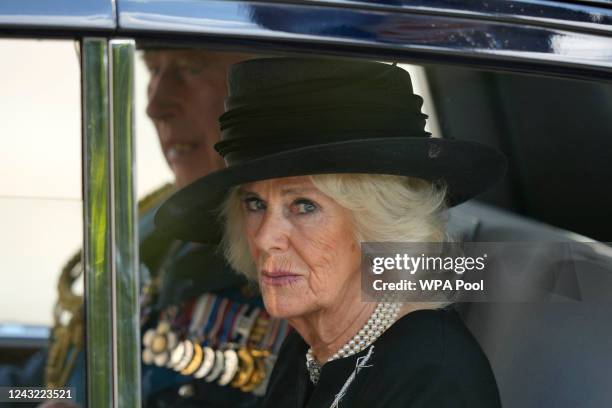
242, 149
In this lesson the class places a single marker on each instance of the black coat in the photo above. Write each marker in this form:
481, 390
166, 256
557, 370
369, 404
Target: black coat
427, 358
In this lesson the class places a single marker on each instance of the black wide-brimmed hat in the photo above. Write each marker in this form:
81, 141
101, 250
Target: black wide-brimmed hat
303, 116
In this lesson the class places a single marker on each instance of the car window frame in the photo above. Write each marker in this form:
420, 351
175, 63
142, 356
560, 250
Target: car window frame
107, 32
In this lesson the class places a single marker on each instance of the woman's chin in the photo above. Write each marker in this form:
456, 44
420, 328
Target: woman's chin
283, 306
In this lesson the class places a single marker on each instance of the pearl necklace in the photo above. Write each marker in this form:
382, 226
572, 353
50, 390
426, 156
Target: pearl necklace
381, 319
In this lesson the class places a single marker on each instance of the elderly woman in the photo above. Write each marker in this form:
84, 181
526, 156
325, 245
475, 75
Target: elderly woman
322, 155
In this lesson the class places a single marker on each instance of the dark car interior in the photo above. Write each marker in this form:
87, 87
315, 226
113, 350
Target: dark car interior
557, 136
555, 351
555, 132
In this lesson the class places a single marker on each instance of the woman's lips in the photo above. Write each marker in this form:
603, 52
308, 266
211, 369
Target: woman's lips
279, 278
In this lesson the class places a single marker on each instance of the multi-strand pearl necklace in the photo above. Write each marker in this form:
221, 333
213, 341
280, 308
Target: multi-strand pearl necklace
381, 319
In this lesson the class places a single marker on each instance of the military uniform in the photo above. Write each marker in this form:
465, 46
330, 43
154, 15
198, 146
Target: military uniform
207, 340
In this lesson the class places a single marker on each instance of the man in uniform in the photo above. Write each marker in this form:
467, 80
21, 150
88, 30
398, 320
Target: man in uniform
218, 313
207, 340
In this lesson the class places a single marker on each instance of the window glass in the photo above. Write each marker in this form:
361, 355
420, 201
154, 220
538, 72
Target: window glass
152, 169
554, 133
40, 174
41, 226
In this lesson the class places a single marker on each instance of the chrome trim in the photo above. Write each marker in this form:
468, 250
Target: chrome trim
588, 17
114, 10
124, 222
97, 221
397, 33
94, 14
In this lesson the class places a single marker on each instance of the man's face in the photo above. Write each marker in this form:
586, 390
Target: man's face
186, 94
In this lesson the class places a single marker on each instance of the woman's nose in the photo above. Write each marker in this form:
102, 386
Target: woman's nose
273, 233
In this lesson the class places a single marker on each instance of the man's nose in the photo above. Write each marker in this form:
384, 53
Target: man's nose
164, 101
272, 236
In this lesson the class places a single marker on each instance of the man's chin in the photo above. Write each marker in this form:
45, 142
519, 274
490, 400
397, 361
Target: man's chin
190, 168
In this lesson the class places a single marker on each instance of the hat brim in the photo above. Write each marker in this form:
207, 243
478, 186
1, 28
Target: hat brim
467, 169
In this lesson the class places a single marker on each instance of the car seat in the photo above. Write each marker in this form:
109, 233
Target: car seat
550, 352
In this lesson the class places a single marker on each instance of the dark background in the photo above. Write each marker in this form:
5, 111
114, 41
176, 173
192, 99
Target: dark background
556, 133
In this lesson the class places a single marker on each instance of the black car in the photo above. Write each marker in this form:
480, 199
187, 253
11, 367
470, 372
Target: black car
529, 77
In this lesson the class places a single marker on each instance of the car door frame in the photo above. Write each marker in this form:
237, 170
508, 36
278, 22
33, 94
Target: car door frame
552, 37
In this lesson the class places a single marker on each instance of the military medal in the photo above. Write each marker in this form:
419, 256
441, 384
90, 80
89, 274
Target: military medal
199, 313
158, 342
231, 367
195, 362
259, 329
225, 342
269, 365
259, 373
208, 361
177, 355
147, 339
252, 329
222, 308
148, 356
209, 308
217, 368
187, 356
245, 322
162, 360
247, 366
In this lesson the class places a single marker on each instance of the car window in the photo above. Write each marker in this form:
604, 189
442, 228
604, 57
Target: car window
40, 190
40, 187
152, 171
554, 132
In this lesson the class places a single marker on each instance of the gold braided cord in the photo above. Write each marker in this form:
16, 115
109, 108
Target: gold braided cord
64, 338
67, 299
67, 338
152, 199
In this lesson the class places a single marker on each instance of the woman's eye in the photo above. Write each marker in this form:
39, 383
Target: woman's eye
305, 206
254, 204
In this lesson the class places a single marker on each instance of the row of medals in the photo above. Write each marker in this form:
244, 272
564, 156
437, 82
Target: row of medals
240, 367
